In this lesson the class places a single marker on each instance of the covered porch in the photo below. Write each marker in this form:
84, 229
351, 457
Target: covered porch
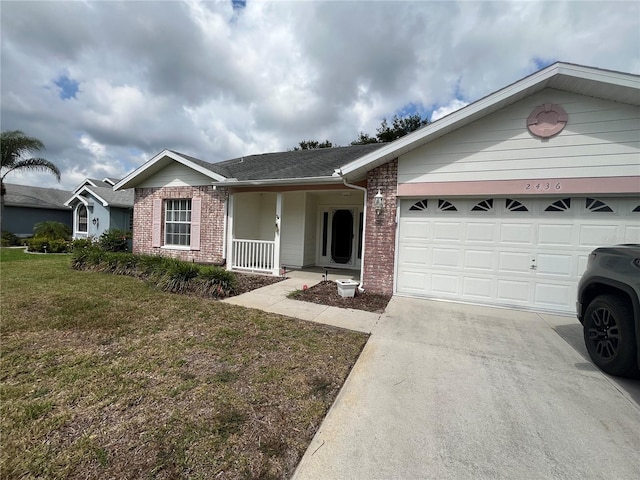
270, 231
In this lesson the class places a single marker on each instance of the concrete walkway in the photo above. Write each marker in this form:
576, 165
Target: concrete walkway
273, 298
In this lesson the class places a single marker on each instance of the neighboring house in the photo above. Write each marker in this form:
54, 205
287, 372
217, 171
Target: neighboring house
498, 203
24, 206
98, 208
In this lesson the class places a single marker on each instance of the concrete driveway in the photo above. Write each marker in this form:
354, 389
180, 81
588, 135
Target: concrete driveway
444, 390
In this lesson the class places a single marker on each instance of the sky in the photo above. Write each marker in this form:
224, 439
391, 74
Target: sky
107, 85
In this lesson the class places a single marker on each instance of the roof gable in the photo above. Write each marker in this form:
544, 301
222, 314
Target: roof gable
615, 86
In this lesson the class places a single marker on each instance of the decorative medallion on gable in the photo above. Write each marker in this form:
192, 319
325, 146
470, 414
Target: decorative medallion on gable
547, 120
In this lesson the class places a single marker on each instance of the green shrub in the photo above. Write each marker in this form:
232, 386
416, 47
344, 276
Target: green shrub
150, 266
127, 264
178, 276
52, 230
82, 243
45, 245
215, 282
58, 246
115, 240
9, 239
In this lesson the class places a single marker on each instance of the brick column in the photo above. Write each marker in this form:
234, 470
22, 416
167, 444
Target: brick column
380, 234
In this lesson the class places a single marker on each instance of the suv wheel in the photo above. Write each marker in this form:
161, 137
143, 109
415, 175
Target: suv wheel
609, 335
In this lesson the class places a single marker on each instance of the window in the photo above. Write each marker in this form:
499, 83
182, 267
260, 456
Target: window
177, 222
82, 219
420, 206
559, 206
446, 206
595, 205
514, 205
483, 206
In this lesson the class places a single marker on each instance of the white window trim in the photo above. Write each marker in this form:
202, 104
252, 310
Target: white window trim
173, 246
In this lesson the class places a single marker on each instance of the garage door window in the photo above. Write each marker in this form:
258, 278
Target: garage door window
595, 205
636, 210
483, 206
561, 205
514, 206
419, 206
446, 206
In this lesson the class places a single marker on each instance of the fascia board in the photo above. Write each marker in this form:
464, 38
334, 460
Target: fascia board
78, 197
280, 181
131, 180
611, 77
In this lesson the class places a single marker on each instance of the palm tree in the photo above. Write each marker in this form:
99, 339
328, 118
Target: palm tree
15, 145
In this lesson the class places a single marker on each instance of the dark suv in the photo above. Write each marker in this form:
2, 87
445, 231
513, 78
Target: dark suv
608, 307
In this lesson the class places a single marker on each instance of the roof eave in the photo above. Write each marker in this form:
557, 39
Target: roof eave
280, 181
138, 175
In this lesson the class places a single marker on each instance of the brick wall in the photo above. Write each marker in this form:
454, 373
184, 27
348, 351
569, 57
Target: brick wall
211, 226
380, 235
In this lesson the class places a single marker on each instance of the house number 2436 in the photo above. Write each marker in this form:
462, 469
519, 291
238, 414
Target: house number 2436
543, 186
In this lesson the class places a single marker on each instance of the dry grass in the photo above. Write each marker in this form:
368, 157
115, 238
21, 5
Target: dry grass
104, 377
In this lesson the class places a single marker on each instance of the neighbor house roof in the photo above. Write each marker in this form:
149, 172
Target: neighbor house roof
103, 192
295, 166
35, 197
594, 82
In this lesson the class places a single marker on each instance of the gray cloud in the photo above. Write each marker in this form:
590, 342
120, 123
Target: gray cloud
216, 83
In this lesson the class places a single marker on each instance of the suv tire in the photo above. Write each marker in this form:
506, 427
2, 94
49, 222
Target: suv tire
610, 337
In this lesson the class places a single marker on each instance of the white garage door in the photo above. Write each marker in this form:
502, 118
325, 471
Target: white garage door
522, 252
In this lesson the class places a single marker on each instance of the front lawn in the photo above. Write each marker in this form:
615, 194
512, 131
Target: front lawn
105, 377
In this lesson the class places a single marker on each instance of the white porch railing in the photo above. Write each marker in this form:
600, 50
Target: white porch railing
256, 255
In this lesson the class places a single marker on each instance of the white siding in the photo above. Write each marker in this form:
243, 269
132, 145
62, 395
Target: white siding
292, 230
176, 175
601, 139
310, 230
254, 216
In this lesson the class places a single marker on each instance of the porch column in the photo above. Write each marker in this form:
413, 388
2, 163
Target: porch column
229, 219
276, 238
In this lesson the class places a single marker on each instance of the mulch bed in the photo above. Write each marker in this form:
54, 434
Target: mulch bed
245, 282
326, 293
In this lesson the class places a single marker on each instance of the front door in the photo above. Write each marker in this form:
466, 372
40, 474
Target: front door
340, 232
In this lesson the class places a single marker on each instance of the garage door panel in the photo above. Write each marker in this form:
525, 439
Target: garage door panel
478, 287
444, 284
415, 230
445, 257
632, 234
414, 282
517, 233
414, 255
514, 262
450, 231
554, 295
598, 235
555, 235
511, 253
479, 259
481, 232
513, 291
554, 264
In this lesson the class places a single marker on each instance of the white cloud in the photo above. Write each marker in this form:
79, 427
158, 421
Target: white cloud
199, 77
445, 110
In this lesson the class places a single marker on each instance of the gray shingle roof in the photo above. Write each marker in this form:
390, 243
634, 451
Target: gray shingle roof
319, 162
121, 198
35, 197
